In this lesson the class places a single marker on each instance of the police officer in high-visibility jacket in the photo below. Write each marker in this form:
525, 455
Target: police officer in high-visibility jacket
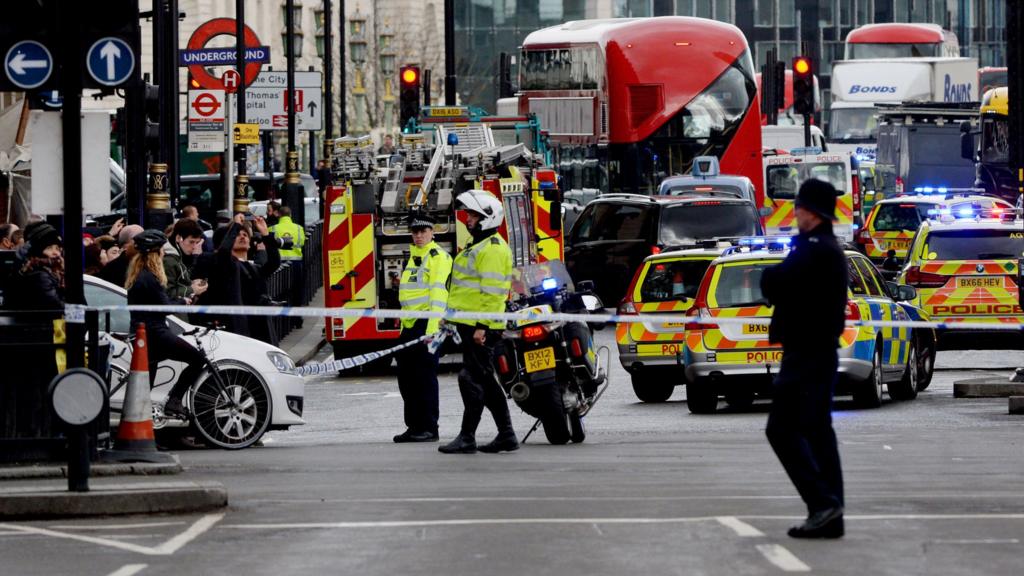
292, 238
480, 282
423, 287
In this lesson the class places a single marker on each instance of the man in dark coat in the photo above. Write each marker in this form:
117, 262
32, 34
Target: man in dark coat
808, 291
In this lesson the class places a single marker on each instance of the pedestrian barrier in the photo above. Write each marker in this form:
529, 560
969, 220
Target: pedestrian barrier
135, 441
281, 282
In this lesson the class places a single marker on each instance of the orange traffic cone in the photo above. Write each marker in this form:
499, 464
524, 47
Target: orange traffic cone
135, 440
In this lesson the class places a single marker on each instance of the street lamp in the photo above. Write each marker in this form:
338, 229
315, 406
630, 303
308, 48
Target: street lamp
357, 51
297, 33
318, 17
388, 58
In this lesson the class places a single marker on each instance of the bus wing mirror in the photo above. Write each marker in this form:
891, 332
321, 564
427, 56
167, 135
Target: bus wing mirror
967, 145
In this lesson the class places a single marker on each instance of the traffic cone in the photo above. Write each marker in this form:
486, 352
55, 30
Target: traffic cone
135, 440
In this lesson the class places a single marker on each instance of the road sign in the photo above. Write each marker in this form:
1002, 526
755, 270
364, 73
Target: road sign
231, 79
247, 133
28, 64
52, 98
206, 112
266, 101
255, 53
110, 61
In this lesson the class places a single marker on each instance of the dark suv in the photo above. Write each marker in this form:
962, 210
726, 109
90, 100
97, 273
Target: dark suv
615, 232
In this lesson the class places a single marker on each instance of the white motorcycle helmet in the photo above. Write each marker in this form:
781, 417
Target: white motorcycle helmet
485, 204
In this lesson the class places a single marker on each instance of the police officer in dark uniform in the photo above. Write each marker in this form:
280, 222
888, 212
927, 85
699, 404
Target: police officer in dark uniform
808, 291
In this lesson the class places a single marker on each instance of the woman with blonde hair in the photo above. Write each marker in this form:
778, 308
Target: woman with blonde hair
147, 285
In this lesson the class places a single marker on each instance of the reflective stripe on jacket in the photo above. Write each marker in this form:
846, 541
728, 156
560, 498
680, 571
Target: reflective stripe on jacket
481, 279
284, 230
424, 283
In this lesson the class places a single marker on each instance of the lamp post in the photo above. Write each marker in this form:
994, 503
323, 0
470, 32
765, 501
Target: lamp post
388, 58
325, 50
292, 43
357, 50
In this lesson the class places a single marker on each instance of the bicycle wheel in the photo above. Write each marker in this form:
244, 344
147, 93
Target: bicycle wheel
236, 417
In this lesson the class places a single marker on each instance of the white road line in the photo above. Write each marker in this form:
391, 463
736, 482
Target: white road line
444, 499
101, 527
129, 570
782, 558
166, 549
465, 522
194, 531
903, 517
980, 541
738, 526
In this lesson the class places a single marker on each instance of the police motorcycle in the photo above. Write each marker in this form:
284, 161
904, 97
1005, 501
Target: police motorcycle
550, 368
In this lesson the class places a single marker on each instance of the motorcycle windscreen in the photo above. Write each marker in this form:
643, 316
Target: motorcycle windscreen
542, 277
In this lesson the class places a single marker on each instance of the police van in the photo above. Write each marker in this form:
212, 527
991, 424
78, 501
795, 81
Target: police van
784, 173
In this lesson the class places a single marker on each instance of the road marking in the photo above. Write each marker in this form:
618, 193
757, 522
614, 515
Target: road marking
597, 529
886, 447
117, 526
980, 541
194, 531
129, 570
738, 526
444, 499
166, 549
465, 522
782, 558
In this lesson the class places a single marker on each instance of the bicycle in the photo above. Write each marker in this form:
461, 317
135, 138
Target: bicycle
229, 405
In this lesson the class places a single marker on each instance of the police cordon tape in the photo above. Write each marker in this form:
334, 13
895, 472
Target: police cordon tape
434, 342
76, 313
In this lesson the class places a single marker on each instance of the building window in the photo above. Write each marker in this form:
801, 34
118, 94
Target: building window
765, 12
787, 51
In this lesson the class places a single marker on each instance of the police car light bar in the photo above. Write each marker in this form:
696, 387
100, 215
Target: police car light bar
946, 190
767, 243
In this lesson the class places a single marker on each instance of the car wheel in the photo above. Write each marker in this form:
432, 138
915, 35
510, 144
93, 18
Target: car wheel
925, 363
868, 394
235, 417
906, 388
648, 390
701, 397
577, 432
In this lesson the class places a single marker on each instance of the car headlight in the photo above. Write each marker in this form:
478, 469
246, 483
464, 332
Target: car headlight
281, 361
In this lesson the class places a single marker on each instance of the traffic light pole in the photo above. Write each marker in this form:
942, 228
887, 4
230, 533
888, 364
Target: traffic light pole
449, 52
241, 150
328, 85
291, 177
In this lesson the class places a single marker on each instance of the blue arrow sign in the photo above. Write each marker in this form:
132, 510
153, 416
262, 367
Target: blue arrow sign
110, 61
28, 64
52, 98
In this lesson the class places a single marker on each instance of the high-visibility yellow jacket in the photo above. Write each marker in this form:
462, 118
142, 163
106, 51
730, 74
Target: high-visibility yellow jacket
424, 283
285, 229
481, 278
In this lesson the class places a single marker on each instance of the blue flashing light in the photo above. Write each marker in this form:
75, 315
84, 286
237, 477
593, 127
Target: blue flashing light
855, 227
965, 212
546, 184
453, 139
549, 284
785, 240
941, 189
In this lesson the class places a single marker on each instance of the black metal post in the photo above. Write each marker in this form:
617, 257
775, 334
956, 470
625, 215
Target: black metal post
1015, 91
170, 115
449, 52
328, 82
241, 150
291, 177
135, 153
69, 21
342, 66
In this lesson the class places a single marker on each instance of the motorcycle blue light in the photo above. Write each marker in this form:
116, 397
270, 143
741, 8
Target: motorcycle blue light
549, 284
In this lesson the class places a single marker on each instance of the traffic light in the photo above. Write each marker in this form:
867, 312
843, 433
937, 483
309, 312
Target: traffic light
408, 95
151, 128
803, 85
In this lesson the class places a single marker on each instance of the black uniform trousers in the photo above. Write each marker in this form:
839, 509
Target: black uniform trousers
417, 381
478, 384
164, 345
800, 426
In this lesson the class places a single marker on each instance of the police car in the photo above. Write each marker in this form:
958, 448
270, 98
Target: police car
892, 222
664, 284
731, 356
965, 268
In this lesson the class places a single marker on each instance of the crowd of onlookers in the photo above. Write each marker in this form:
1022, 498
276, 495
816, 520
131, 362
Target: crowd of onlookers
226, 265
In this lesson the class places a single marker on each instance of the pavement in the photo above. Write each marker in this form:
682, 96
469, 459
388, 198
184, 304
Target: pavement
303, 344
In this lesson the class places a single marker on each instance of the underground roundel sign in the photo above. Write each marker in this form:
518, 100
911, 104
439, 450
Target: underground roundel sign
210, 30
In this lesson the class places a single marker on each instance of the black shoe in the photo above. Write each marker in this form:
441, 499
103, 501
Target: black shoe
503, 442
461, 445
410, 436
827, 523
173, 408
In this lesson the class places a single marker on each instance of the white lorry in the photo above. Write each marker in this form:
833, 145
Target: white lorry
857, 85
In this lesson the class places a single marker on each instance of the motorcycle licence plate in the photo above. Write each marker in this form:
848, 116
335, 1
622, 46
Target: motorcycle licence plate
537, 360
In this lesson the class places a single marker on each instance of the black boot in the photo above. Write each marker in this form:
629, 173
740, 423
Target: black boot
505, 441
826, 523
410, 436
462, 444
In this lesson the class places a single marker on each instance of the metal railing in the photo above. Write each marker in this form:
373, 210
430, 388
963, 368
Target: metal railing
280, 284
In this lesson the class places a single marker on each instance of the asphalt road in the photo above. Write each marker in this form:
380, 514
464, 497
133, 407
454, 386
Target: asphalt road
933, 487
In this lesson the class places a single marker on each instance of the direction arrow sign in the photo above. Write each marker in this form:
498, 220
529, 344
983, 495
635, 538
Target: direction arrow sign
110, 61
28, 64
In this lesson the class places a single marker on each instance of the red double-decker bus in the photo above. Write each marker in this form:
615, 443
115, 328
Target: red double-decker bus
628, 102
901, 40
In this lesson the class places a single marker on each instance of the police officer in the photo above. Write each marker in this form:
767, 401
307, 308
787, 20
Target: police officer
423, 287
481, 278
808, 291
292, 238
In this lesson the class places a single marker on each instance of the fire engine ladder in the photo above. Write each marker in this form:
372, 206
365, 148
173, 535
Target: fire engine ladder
509, 154
439, 176
393, 186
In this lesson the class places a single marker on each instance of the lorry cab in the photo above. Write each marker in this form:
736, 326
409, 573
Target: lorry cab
789, 137
784, 173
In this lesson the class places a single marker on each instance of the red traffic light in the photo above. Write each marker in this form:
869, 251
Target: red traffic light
410, 75
801, 65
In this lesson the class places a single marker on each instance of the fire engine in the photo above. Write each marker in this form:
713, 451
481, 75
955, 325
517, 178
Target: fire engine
452, 149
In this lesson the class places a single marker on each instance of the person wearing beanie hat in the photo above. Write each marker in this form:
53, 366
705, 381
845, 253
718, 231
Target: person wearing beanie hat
808, 292
39, 283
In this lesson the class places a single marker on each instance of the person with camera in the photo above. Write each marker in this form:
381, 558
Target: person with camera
235, 280
147, 285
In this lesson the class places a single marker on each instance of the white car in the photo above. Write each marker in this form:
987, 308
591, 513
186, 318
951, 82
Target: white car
257, 375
